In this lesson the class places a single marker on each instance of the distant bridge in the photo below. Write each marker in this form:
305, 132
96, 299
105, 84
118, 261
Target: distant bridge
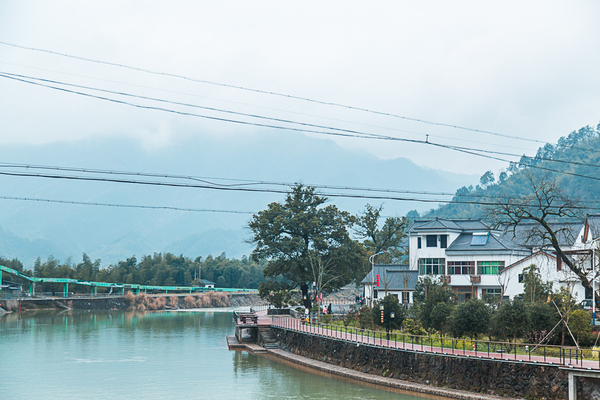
120, 287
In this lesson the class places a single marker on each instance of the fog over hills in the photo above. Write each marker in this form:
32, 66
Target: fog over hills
36, 229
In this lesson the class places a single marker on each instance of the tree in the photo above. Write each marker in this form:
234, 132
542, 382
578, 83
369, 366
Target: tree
535, 288
535, 218
487, 179
542, 319
289, 235
471, 318
388, 239
512, 319
440, 317
580, 322
429, 293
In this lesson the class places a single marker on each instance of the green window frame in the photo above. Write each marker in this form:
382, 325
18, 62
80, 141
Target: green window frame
489, 267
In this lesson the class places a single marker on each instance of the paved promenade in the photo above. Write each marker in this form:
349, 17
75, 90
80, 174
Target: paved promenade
571, 360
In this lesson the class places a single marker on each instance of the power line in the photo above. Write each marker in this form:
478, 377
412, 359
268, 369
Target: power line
272, 93
255, 190
123, 205
243, 182
261, 107
338, 131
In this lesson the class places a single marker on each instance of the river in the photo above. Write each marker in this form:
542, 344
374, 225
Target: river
153, 355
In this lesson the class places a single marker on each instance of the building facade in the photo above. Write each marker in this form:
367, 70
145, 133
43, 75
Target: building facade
480, 262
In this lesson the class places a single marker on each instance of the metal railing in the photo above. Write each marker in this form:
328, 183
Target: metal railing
567, 356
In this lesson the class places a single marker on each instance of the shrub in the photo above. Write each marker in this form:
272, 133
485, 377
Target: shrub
160, 303
174, 301
190, 302
129, 297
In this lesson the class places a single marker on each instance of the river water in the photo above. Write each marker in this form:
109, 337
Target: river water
153, 355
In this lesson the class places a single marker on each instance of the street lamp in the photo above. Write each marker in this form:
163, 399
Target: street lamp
392, 315
372, 261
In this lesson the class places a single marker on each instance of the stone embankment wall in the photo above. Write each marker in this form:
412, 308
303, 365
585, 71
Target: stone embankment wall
475, 375
123, 303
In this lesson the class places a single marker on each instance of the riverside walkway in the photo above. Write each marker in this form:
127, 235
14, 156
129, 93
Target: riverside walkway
569, 357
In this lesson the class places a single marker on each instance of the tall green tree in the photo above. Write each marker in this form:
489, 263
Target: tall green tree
301, 230
389, 240
511, 319
430, 294
471, 318
535, 288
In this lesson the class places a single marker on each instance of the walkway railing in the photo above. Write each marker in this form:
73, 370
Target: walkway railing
498, 351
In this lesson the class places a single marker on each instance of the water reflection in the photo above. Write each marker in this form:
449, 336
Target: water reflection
154, 355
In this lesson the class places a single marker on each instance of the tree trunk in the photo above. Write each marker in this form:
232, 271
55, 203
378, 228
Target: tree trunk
305, 296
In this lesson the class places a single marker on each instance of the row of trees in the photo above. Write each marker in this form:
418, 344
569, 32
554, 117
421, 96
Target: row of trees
159, 269
557, 321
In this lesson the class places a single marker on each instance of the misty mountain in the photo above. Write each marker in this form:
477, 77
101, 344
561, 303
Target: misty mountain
572, 163
30, 229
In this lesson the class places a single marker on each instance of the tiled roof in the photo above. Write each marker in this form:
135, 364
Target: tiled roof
395, 277
494, 243
567, 233
448, 224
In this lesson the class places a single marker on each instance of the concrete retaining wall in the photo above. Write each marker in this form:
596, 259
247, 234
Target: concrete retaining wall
475, 375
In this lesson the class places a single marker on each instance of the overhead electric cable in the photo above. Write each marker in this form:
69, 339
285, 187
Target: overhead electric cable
270, 93
123, 205
244, 182
273, 119
475, 152
255, 190
267, 108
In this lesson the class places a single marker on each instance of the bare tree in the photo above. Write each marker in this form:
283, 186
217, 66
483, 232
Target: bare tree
540, 218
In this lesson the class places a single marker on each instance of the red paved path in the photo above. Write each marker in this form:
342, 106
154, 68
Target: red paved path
356, 337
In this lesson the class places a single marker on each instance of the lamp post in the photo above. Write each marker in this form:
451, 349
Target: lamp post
372, 261
392, 315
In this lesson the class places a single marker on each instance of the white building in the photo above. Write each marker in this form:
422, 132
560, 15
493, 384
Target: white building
478, 261
397, 280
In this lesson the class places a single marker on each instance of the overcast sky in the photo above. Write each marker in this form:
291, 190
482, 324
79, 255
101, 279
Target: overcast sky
527, 69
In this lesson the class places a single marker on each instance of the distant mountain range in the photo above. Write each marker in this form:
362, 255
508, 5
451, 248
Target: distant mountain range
36, 229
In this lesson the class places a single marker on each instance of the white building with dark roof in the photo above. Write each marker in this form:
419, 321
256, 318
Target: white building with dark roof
478, 261
397, 280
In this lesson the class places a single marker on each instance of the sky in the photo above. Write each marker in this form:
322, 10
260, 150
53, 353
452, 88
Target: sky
527, 70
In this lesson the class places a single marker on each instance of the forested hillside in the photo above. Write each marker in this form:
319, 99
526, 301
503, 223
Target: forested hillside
158, 269
573, 163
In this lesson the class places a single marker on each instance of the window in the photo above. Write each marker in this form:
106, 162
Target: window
443, 241
419, 242
479, 239
431, 266
489, 267
375, 293
431, 240
492, 295
405, 297
461, 267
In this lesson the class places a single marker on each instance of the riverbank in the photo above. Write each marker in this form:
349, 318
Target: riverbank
140, 302
378, 382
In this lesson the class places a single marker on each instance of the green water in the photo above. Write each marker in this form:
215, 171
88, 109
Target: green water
161, 355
